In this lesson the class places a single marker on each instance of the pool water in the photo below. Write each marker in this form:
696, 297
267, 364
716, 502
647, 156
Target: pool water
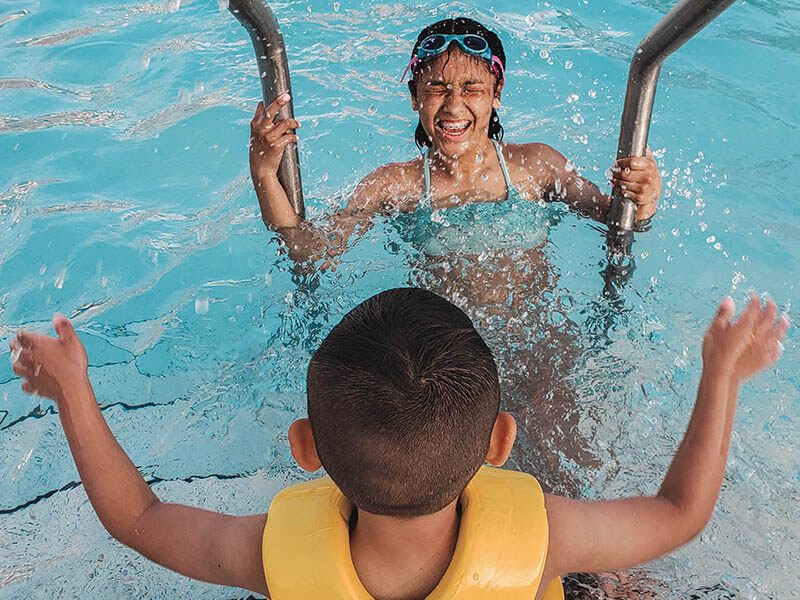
125, 203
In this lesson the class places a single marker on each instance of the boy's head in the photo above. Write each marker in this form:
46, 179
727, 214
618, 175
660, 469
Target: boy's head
403, 396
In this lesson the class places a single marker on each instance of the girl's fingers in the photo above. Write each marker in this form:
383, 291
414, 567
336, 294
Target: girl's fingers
629, 186
280, 129
258, 117
276, 106
634, 163
633, 176
285, 140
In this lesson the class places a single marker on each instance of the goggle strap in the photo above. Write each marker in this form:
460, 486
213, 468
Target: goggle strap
410, 66
498, 65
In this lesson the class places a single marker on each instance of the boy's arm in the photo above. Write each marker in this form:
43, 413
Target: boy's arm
200, 544
637, 177
617, 534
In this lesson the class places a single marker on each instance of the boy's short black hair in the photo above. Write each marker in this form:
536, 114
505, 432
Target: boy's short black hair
460, 26
402, 398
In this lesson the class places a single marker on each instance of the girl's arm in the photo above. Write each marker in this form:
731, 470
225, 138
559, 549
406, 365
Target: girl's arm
636, 177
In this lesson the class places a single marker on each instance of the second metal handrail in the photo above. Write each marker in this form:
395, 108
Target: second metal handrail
685, 20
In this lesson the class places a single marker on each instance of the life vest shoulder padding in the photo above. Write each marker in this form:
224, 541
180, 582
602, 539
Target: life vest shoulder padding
500, 551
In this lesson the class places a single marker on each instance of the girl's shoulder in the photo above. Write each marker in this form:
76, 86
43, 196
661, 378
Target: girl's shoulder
531, 155
395, 186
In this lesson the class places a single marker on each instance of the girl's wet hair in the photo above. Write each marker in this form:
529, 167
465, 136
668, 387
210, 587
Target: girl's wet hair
459, 26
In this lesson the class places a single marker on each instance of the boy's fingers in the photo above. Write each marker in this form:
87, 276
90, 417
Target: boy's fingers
745, 323
26, 340
767, 320
63, 327
724, 313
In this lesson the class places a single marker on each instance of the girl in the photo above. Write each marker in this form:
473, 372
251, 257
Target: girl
457, 72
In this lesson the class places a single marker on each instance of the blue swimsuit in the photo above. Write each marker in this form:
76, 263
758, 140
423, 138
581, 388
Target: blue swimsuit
475, 227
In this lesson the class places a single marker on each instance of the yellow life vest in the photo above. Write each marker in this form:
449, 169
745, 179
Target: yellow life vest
499, 555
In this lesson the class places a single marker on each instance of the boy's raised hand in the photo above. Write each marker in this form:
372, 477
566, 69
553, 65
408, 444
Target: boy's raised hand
742, 348
47, 364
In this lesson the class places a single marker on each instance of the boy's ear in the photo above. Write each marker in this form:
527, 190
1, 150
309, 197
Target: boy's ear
304, 449
504, 433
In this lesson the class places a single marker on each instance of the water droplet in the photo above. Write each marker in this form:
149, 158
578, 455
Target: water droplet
59, 281
372, 110
676, 232
592, 94
710, 239
336, 6
201, 306
568, 64
572, 98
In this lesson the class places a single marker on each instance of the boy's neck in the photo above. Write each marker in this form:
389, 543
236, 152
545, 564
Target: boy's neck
404, 557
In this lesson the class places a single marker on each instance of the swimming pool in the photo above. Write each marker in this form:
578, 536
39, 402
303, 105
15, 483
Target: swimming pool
124, 202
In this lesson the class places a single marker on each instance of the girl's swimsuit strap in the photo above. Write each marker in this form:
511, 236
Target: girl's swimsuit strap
503, 167
510, 189
427, 170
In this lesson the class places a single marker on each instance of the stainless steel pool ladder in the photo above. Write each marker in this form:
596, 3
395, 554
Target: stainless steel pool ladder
273, 68
685, 20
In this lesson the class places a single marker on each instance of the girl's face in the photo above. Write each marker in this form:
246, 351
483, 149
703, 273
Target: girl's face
455, 94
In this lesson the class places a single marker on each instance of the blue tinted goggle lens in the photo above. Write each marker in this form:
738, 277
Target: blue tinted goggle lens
437, 42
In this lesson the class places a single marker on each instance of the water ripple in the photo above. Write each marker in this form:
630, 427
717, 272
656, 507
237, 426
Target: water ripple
77, 118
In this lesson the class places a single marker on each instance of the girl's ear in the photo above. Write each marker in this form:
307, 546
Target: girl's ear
498, 92
412, 88
304, 449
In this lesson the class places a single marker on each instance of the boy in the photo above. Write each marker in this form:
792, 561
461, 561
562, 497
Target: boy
403, 401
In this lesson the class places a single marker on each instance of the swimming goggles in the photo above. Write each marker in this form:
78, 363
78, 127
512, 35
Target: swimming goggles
472, 44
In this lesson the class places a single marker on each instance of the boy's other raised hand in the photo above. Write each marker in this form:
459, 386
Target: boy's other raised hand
47, 364
744, 347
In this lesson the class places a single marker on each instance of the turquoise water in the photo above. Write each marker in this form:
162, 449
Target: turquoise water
125, 203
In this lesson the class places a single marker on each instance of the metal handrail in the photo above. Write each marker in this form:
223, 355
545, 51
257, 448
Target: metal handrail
273, 68
684, 21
